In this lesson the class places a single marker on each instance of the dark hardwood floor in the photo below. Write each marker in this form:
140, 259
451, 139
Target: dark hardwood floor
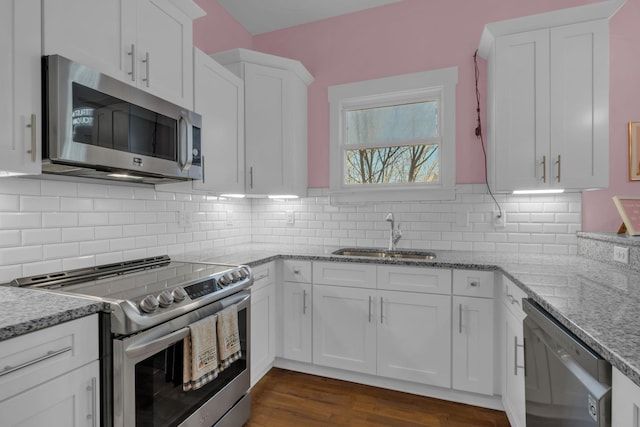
285, 398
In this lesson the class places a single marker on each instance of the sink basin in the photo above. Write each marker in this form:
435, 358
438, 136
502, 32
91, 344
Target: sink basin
382, 253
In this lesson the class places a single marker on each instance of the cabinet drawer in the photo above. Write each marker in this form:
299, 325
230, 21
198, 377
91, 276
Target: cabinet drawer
512, 297
345, 274
297, 271
473, 283
263, 275
34, 358
415, 279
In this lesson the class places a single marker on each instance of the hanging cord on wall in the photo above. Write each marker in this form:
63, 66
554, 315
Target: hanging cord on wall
479, 134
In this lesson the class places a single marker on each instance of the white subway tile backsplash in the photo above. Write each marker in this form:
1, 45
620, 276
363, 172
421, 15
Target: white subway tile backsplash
65, 224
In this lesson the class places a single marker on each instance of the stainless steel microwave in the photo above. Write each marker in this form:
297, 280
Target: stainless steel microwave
96, 126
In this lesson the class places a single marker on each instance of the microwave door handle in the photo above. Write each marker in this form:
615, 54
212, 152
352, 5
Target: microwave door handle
186, 142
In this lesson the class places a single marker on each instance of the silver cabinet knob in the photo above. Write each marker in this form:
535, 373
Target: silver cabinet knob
149, 304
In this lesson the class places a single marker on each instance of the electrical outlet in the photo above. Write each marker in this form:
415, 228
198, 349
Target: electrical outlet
621, 254
290, 218
499, 218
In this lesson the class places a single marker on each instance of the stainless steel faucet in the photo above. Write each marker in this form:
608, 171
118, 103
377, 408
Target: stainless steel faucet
396, 233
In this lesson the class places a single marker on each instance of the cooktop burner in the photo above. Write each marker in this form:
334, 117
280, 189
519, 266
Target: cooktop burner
148, 291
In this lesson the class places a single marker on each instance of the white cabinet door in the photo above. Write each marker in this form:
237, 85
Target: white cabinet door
95, 33
20, 98
263, 331
414, 337
297, 310
513, 390
147, 43
473, 343
72, 399
164, 51
580, 105
521, 148
344, 328
625, 401
266, 93
550, 119
219, 98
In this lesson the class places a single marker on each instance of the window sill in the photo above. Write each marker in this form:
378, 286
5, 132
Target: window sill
407, 195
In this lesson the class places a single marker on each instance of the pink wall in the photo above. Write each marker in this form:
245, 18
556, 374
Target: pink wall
218, 31
419, 35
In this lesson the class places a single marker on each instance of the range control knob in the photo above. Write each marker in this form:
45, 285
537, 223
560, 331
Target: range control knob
236, 275
149, 304
165, 298
226, 280
179, 294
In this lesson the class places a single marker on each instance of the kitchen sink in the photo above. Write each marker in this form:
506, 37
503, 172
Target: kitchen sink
382, 253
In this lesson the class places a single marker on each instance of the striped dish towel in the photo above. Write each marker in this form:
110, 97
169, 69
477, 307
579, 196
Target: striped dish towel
200, 354
228, 337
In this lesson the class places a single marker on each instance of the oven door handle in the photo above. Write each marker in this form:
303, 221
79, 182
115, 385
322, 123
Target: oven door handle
152, 347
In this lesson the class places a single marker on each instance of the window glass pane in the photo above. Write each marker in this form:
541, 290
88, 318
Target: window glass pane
393, 124
393, 165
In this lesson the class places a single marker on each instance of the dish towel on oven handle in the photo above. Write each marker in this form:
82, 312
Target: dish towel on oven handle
200, 354
228, 337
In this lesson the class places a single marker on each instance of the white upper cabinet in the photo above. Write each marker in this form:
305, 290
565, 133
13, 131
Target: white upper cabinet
219, 99
20, 100
275, 121
147, 43
548, 100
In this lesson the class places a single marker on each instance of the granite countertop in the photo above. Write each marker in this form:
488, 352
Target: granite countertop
27, 310
596, 301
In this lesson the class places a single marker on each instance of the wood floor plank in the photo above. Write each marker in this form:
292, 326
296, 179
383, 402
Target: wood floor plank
291, 399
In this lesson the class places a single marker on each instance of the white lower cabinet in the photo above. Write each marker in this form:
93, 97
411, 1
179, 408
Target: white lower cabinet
396, 334
344, 328
297, 315
51, 376
414, 337
625, 401
513, 385
68, 400
263, 321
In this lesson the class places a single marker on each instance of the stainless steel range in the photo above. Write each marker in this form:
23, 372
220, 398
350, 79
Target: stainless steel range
152, 303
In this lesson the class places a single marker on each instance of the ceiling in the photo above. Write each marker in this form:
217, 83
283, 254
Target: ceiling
262, 16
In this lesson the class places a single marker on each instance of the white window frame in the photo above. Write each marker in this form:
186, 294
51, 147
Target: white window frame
405, 88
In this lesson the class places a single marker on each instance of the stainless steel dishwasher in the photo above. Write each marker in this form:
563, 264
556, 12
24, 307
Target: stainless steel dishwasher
567, 384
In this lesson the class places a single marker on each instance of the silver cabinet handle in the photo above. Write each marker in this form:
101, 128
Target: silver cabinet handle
381, 310
49, 355
296, 270
559, 167
132, 54
369, 309
251, 177
145, 61
460, 318
474, 284
33, 149
515, 355
544, 168
92, 388
304, 302
202, 163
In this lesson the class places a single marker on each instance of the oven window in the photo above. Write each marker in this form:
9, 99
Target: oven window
160, 400
105, 121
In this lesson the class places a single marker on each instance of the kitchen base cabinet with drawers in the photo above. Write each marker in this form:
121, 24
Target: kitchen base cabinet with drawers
51, 377
391, 326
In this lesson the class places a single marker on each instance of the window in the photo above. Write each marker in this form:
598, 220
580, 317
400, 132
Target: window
393, 136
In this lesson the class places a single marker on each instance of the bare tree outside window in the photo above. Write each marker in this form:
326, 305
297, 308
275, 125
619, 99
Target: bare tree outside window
394, 144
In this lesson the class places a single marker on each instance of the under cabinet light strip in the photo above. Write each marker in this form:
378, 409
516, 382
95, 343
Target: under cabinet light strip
554, 191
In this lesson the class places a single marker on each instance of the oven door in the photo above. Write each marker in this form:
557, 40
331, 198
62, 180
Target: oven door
148, 375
